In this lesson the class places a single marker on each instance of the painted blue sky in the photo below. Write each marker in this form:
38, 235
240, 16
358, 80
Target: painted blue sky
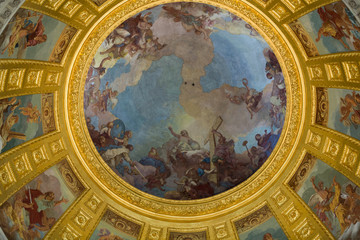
155, 99
148, 108
235, 57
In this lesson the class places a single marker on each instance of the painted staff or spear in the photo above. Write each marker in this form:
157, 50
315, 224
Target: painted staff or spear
29, 193
139, 172
245, 145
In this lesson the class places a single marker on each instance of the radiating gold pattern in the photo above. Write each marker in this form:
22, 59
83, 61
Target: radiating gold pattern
2, 79
279, 198
92, 159
332, 147
39, 155
33, 78
349, 158
92, 22
154, 233
221, 231
6, 176
334, 71
15, 79
81, 219
313, 139
93, 203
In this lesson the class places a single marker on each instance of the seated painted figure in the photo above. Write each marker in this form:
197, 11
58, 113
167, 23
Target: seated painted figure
153, 159
156, 180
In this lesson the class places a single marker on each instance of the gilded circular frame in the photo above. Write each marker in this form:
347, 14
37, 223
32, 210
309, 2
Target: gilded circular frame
237, 196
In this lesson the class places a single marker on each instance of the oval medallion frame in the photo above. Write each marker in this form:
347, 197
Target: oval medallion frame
238, 196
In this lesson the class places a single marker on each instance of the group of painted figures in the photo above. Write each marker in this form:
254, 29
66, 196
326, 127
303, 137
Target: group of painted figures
135, 39
339, 23
24, 33
181, 168
25, 217
330, 203
196, 174
252, 98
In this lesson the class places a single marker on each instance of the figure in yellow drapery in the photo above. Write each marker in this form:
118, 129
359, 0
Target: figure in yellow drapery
31, 112
342, 208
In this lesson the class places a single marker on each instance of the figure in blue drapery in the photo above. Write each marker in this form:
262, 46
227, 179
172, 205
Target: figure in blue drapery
267, 141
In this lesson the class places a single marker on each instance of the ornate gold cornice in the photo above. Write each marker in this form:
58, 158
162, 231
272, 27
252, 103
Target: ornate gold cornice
159, 217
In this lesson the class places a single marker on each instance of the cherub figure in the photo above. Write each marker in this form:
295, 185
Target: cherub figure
189, 21
350, 105
251, 98
104, 234
31, 112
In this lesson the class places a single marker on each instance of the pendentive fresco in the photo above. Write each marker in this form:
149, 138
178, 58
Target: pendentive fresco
33, 210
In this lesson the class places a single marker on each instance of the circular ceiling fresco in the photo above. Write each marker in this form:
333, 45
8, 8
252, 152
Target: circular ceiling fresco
184, 101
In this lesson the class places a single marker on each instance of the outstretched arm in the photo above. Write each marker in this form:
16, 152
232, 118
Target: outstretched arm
62, 200
173, 133
313, 184
246, 82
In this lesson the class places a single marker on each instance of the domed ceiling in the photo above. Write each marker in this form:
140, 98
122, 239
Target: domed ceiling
175, 92
179, 120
